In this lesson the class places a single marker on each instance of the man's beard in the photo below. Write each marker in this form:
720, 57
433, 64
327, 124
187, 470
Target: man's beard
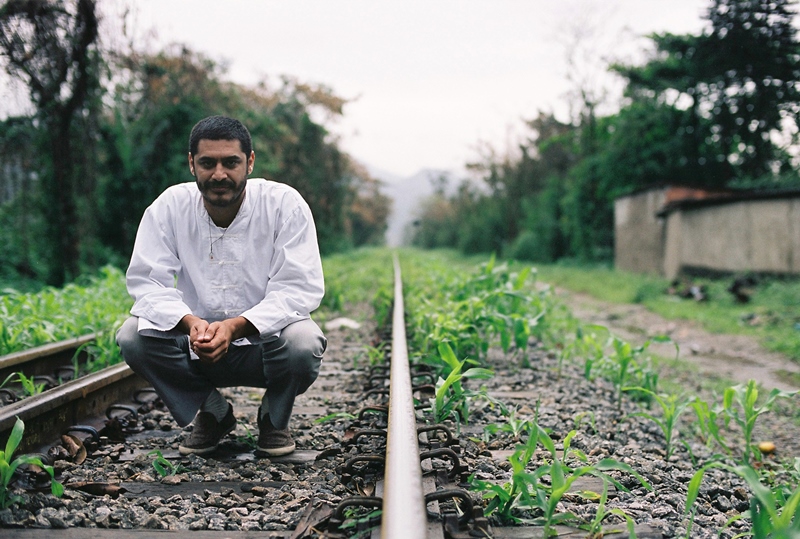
206, 186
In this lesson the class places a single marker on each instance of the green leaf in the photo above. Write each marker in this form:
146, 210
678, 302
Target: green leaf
448, 356
727, 397
522, 276
15, 438
611, 464
693, 489
479, 373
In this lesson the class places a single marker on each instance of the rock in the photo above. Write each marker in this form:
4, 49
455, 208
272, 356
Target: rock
339, 323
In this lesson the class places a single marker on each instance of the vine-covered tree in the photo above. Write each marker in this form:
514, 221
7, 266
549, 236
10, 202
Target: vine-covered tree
50, 46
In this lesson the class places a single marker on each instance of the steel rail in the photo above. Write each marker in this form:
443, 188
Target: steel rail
43, 359
49, 413
404, 512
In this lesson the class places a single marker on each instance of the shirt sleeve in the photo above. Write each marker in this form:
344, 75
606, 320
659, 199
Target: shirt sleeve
296, 284
151, 278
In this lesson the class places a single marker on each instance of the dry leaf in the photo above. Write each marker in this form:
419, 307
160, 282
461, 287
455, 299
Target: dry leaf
75, 448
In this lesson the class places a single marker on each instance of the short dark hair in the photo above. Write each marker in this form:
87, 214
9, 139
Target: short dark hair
220, 128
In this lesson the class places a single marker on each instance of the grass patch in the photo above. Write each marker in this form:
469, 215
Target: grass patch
353, 278
772, 315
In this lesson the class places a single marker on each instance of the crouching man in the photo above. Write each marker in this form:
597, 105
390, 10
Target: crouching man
224, 274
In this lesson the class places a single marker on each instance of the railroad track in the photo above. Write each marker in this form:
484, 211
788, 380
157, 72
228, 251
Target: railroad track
69, 400
365, 465
409, 504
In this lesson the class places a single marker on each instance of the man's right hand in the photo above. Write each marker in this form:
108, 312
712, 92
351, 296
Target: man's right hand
197, 329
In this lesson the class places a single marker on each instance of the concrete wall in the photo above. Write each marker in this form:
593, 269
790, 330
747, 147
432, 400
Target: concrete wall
748, 235
673, 236
638, 233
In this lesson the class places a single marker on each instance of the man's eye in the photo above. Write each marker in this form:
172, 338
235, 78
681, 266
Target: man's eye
230, 163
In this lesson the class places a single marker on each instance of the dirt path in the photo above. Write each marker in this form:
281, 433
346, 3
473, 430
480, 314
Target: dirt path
731, 357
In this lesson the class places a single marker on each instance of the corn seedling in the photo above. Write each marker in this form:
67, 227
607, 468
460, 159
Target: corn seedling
589, 345
708, 423
376, 355
513, 425
771, 516
595, 528
527, 492
8, 467
562, 477
450, 399
672, 406
745, 415
580, 417
505, 500
624, 364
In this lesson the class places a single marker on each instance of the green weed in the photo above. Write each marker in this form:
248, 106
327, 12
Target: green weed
163, 466
8, 467
333, 417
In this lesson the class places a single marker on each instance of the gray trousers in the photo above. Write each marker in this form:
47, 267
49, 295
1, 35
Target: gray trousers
285, 365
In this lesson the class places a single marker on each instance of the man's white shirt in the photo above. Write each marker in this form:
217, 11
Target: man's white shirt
265, 266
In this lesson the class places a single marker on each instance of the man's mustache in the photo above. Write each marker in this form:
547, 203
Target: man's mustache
212, 184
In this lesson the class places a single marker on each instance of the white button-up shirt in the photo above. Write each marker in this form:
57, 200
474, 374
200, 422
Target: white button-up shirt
265, 266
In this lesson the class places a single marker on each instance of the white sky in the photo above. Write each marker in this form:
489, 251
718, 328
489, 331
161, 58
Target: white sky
430, 79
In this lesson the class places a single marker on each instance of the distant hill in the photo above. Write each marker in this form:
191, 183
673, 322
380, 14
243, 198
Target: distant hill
407, 194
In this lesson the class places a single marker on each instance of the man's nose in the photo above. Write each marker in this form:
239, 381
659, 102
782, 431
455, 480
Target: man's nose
219, 172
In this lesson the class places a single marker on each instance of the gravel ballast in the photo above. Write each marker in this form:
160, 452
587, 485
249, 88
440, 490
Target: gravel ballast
235, 490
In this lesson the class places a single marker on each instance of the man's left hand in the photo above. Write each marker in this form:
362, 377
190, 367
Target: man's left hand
213, 345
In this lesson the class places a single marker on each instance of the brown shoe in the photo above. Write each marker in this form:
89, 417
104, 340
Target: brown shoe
207, 433
272, 441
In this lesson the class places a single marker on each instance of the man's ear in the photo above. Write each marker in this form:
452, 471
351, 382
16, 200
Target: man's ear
191, 164
250, 162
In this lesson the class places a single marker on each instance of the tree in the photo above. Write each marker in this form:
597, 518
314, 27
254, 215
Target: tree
145, 141
145, 134
49, 44
753, 77
20, 222
369, 212
738, 81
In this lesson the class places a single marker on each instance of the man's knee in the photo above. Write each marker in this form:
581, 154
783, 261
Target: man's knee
128, 339
306, 344
139, 351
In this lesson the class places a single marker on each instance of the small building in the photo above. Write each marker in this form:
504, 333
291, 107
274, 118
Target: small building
669, 230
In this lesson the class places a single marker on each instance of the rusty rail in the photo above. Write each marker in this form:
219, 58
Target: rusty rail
43, 359
47, 414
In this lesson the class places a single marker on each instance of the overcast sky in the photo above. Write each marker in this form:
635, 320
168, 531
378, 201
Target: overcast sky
430, 80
